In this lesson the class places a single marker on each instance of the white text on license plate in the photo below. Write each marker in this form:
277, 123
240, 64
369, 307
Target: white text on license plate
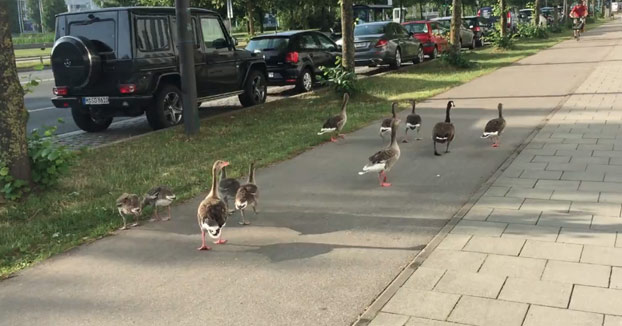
95, 100
360, 45
270, 75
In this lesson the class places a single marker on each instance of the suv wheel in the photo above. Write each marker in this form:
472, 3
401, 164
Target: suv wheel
85, 121
305, 81
255, 89
419, 58
397, 63
434, 54
168, 108
472, 45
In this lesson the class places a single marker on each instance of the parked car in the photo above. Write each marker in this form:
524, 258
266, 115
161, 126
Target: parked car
119, 62
294, 57
430, 35
525, 15
382, 43
467, 38
479, 28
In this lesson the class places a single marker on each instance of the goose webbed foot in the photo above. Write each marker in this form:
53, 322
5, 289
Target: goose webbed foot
495, 145
405, 141
124, 227
333, 139
244, 222
135, 224
342, 136
385, 184
220, 241
204, 247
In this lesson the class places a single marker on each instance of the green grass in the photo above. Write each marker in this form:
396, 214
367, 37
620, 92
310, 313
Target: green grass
81, 208
22, 53
33, 38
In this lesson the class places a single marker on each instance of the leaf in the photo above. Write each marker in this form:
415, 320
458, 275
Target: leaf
4, 171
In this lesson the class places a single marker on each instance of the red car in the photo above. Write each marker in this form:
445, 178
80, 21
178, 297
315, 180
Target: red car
430, 34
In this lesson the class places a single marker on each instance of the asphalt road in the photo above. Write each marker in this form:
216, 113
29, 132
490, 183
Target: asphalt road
327, 241
43, 113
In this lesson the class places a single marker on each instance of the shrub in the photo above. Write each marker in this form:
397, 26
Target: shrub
502, 42
48, 162
455, 57
340, 79
532, 31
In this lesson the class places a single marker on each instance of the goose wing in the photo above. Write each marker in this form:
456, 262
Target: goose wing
382, 156
229, 186
212, 210
494, 126
413, 120
246, 193
386, 123
443, 131
332, 122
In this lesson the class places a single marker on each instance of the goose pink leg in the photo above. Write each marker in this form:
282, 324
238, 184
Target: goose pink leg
383, 180
220, 240
203, 246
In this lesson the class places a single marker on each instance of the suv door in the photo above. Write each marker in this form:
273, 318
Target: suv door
328, 49
219, 56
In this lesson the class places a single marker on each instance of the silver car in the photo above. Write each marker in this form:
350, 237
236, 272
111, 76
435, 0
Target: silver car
381, 43
467, 37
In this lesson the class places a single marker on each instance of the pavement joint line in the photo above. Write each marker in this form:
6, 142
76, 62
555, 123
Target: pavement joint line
383, 298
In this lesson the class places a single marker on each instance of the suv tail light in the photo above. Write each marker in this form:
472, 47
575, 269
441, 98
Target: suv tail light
127, 88
60, 90
477, 28
479, 13
381, 43
291, 57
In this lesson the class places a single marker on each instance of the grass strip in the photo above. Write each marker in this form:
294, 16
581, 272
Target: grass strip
81, 208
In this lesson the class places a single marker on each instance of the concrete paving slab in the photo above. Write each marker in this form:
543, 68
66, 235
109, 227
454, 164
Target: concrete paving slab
576, 273
420, 303
553, 294
552, 250
598, 300
488, 312
547, 316
528, 268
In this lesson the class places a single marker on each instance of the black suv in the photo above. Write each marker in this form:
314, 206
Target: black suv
124, 62
294, 57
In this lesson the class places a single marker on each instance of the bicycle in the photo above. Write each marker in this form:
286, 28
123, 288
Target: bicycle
578, 24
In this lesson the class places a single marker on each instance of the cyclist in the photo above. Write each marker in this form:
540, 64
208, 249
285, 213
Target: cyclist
578, 13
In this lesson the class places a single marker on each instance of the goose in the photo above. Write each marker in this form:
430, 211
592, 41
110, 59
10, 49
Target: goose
129, 204
247, 195
212, 212
159, 196
385, 126
383, 160
444, 132
335, 124
413, 122
495, 127
227, 187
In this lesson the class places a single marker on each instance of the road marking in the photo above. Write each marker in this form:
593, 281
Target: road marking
43, 109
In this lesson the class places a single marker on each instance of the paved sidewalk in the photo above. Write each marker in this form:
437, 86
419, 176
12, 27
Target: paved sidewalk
543, 246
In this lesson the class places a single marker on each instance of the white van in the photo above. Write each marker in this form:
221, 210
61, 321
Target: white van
614, 6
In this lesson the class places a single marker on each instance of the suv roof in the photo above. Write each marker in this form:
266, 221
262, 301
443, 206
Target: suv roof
143, 9
281, 34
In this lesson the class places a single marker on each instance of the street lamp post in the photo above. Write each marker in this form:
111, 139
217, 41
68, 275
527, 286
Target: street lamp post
185, 44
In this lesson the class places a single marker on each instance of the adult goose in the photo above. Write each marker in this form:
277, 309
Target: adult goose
444, 132
129, 204
212, 212
160, 196
247, 195
383, 160
335, 124
413, 122
495, 127
228, 187
385, 126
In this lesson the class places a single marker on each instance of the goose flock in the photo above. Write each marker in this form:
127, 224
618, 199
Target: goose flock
213, 211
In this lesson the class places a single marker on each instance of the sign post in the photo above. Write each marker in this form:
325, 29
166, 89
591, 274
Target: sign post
229, 13
185, 44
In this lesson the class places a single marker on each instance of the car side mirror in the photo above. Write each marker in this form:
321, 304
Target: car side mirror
235, 41
220, 43
470, 26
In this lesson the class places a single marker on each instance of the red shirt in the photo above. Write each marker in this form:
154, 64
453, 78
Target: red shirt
579, 11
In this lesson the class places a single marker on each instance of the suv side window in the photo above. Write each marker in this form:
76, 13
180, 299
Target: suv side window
325, 43
213, 36
152, 34
307, 42
195, 33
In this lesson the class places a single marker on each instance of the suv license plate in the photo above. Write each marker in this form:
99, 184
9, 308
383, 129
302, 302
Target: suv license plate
270, 75
361, 45
95, 100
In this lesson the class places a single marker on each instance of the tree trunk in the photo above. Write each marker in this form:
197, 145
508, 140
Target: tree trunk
504, 18
456, 21
249, 14
13, 114
536, 12
260, 15
347, 34
421, 10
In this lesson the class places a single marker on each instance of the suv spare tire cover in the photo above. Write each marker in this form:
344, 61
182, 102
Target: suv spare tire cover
75, 62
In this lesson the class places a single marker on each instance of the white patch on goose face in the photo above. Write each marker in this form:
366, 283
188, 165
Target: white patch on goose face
385, 129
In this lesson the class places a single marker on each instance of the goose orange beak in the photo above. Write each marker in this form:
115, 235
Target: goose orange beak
225, 163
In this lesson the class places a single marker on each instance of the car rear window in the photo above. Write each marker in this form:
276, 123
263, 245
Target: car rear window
268, 44
417, 28
369, 29
100, 32
471, 22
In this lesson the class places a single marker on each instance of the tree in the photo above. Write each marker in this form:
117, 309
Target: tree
250, 8
456, 21
536, 12
33, 13
51, 8
504, 17
13, 115
347, 34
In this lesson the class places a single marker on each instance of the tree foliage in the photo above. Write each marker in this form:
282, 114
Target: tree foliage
51, 8
33, 13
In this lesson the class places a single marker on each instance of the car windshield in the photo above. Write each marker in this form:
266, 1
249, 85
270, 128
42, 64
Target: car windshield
267, 44
471, 22
369, 29
417, 28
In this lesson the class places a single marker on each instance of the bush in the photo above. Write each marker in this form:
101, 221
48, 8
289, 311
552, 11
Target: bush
555, 28
340, 79
532, 31
455, 57
502, 42
48, 162
33, 38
